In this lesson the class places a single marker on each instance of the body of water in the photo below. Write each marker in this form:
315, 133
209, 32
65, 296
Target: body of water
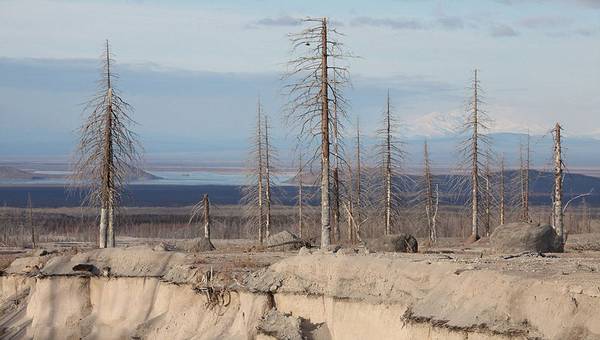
166, 178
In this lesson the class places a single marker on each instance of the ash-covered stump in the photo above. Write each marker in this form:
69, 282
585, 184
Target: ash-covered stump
399, 243
521, 237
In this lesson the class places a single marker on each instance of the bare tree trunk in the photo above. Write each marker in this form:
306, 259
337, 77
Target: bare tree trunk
206, 205
336, 174
488, 199
111, 229
388, 169
435, 212
310, 92
325, 209
300, 199
260, 175
267, 182
358, 194
102, 230
502, 199
30, 219
429, 203
5, 223
557, 208
527, 169
475, 165
108, 180
525, 166
587, 218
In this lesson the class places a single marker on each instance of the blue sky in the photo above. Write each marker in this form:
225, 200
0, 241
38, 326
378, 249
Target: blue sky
193, 69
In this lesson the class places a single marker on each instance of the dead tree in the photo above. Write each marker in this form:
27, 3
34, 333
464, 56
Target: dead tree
253, 191
312, 88
487, 202
267, 168
206, 217
356, 197
473, 153
202, 208
524, 177
30, 219
431, 198
390, 155
557, 206
502, 190
336, 170
300, 179
108, 150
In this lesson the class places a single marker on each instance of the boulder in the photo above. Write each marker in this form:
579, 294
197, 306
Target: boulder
195, 245
400, 243
277, 325
304, 251
520, 237
285, 241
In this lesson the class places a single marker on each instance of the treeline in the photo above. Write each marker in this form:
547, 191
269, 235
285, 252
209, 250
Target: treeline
229, 222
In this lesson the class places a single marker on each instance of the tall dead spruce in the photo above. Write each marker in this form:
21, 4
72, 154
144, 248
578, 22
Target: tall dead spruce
474, 154
356, 200
389, 155
253, 191
108, 150
256, 195
430, 196
502, 193
267, 168
525, 165
315, 81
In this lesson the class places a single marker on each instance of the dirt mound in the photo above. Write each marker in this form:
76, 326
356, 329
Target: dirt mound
285, 241
513, 237
400, 243
195, 245
134, 261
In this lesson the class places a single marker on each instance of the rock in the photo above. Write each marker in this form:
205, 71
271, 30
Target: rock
195, 245
86, 268
400, 243
332, 248
520, 237
39, 252
304, 251
285, 241
347, 251
162, 246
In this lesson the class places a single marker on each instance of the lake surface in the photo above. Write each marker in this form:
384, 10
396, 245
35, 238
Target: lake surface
195, 177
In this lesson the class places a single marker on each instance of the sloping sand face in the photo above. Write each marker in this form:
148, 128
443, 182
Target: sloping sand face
133, 302
124, 308
143, 294
421, 297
